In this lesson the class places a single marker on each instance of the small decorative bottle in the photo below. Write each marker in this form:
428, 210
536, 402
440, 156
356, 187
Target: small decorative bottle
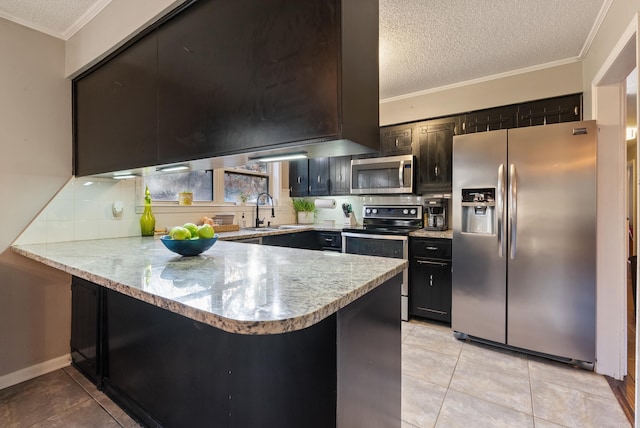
147, 221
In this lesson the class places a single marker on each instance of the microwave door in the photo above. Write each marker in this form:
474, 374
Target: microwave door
382, 175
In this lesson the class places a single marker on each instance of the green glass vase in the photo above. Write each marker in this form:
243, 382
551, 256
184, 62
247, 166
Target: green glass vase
147, 221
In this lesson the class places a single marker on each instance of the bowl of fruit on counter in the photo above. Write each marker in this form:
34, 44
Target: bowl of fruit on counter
189, 239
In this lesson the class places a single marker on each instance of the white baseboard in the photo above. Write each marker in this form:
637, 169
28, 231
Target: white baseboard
34, 371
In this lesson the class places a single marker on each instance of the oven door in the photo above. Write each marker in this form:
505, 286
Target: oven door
394, 246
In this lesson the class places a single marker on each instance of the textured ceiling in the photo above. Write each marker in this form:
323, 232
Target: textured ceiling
59, 18
424, 44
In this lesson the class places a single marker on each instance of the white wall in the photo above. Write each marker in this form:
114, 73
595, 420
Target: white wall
35, 162
118, 22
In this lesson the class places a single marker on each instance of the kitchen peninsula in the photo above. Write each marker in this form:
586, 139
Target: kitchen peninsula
242, 335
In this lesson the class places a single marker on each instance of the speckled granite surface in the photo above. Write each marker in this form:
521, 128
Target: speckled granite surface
237, 287
442, 234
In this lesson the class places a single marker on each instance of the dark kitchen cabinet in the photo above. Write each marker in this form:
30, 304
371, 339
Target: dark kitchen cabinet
86, 334
340, 175
434, 155
308, 240
489, 120
116, 124
396, 140
552, 110
430, 279
319, 177
269, 81
215, 78
299, 178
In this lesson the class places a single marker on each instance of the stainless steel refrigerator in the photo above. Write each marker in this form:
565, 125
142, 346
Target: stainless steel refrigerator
524, 238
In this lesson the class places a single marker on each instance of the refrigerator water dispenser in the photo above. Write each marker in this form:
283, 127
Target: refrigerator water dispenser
478, 211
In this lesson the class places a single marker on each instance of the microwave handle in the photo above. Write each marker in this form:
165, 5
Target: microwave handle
401, 173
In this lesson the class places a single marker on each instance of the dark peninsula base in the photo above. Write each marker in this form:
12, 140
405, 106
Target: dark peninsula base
168, 370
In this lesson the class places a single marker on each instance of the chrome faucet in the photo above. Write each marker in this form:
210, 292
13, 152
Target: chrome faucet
273, 214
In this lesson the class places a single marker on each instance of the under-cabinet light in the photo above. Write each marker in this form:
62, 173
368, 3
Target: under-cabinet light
173, 168
123, 176
283, 157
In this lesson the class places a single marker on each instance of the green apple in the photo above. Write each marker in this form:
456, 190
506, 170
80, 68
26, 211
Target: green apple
180, 233
192, 228
205, 231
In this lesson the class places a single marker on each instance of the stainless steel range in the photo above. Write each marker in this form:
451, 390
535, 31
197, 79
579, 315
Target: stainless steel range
385, 233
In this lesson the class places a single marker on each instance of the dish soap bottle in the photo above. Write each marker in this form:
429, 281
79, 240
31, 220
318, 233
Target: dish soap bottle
147, 221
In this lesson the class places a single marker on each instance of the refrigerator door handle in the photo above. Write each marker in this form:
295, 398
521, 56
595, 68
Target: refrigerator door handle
500, 210
513, 211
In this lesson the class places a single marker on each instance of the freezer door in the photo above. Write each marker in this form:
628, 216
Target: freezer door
478, 261
552, 256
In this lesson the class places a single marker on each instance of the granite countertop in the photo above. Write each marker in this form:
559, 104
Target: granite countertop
237, 287
441, 234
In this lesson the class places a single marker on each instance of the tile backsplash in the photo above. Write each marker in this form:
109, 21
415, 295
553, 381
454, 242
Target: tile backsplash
82, 210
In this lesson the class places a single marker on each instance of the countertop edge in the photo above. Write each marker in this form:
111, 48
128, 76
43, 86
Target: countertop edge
261, 327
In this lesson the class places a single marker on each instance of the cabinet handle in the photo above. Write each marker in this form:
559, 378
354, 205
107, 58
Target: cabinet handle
432, 310
431, 280
117, 83
318, 179
428, 262
436, 170
432, 248
396, 142
299, 179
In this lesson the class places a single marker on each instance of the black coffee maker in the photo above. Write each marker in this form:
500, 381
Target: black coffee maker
435, 211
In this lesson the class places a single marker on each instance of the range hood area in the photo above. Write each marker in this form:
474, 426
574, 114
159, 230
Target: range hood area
197, 87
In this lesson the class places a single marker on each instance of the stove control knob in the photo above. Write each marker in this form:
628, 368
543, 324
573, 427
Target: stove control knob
405, 211
375, 211
368, 211
413, 212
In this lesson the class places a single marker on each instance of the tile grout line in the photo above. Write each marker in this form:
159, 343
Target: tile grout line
94, 399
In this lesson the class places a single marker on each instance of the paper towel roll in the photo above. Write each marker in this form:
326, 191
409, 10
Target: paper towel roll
325, 203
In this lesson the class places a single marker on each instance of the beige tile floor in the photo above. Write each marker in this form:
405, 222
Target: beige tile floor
452, 383
445, 383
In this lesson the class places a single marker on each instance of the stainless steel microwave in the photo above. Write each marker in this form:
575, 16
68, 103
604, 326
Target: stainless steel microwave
385, 175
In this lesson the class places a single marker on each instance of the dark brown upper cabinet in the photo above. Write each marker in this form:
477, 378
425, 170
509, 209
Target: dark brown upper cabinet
489, 120
396, 140
434, 155
115, 116
243, 76
552, 110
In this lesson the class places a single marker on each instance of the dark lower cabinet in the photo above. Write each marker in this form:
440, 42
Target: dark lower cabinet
308, 240
167, 370
430, 279
86, 331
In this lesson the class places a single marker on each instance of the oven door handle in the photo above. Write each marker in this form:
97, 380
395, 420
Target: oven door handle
374, 236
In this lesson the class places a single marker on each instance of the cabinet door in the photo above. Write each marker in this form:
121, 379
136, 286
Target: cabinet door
552, 110
239, 75
489, 120
116, 112
85, 328
319, 177
340, 172
430, 289
299, 178
433, 155
396, 140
